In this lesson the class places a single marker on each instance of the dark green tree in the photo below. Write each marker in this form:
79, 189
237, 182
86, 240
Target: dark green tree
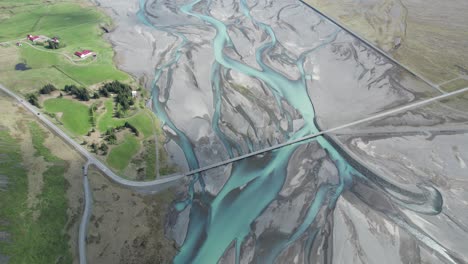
123, 93
111, 138
94, 147
53, 44
104, 148
70, 88
103, 91
47, 89
32, 99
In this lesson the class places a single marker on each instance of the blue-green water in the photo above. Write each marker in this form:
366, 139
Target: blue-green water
217, 222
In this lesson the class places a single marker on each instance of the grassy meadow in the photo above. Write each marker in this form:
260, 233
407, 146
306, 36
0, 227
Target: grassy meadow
41, 228
120, 156
75, 115
77, 26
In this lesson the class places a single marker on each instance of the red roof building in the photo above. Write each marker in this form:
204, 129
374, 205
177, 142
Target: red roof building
32, 38
84, 53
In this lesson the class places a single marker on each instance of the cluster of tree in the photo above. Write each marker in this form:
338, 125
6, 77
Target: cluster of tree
32, 99
92, 116
132, 128
104, 148
123, 93
119, 112
95, 148
80, 92
52, 44
47, 89
110, 136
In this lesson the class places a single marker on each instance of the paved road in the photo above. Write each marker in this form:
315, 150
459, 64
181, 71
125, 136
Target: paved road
88, 199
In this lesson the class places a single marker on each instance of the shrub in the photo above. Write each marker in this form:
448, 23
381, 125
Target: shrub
47, 89
32, 99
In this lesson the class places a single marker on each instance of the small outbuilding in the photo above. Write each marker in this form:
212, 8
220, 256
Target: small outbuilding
84, 53
134, 93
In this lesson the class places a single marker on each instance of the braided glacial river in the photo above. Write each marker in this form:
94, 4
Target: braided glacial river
235, 216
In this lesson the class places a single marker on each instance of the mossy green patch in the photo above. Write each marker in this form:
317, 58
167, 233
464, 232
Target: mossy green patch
75, 115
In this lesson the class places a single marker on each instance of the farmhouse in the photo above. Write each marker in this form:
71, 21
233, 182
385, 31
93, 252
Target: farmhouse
84, 53
33, 38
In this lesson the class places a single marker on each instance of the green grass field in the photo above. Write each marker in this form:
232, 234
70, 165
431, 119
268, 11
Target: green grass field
142, 121
120, 156
106, 120
38, 143
77, 23
78, 28
150, 160
22, 80
40, 240
75, 115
